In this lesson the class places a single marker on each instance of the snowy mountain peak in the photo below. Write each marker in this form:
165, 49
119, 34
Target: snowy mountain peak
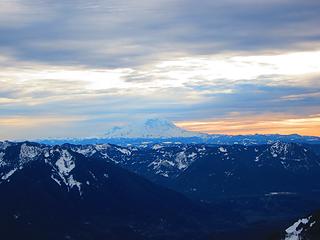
150, 128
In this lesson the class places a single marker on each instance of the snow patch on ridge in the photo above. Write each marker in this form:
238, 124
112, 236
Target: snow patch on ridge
9, 174
86, 151
65, 165
124, 151
222, 149
74, 183
157, 146
56, 180
293, 232
181, 160
2, 163
101, 147
4, 145
279, 148
28, 153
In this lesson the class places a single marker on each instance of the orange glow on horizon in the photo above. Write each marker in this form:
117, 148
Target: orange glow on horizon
309, 125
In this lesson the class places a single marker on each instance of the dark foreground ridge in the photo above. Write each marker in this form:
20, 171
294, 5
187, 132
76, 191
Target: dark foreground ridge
155, 191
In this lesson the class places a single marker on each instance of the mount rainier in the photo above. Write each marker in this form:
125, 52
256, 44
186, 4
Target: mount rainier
151, 128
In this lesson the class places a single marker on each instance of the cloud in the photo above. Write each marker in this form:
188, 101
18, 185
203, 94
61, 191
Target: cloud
93, 64
130, 33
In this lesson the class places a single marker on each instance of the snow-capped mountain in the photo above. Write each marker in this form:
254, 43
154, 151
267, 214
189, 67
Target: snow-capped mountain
151, 128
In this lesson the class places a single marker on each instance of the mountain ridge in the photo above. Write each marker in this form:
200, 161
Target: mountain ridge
53, 192
130, 184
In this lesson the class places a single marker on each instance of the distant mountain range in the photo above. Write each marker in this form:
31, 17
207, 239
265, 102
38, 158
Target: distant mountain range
160, 130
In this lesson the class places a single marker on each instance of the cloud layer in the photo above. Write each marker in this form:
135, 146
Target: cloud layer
75, 69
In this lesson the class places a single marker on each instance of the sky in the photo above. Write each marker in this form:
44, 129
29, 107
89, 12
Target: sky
76, 68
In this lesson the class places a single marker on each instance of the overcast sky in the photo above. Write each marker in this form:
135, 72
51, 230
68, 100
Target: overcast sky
75, 68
